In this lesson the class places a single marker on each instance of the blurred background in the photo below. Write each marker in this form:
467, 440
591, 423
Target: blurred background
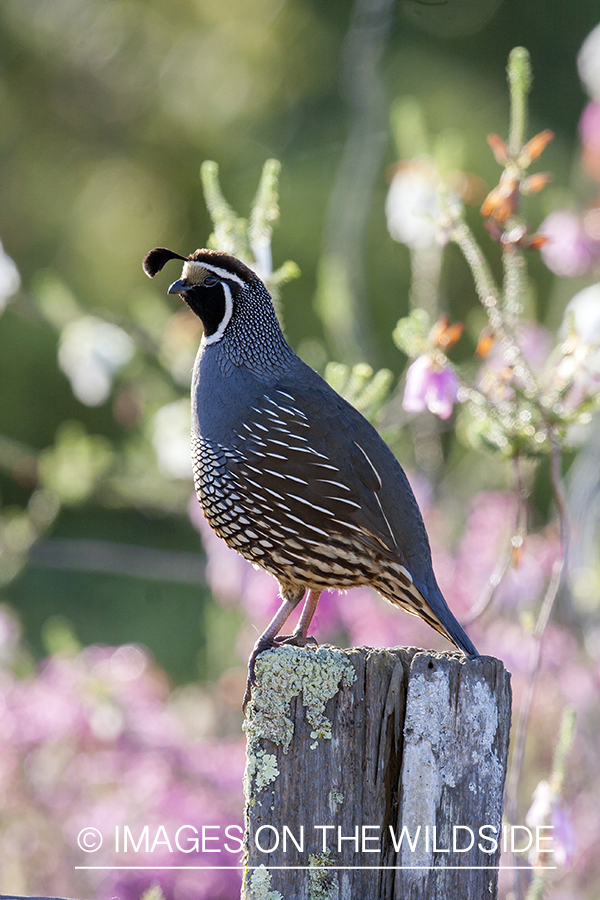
107, 110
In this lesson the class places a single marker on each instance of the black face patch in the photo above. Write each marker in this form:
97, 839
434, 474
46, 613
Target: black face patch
209, 304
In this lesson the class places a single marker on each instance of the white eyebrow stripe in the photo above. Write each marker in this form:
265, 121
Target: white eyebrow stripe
222, 273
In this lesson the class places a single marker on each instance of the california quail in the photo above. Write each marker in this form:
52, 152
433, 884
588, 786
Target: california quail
287, 472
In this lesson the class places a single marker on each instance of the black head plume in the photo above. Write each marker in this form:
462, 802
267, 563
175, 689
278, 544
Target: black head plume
156, 259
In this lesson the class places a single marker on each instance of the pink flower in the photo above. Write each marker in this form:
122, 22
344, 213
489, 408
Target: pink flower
430, 387
547, 809
495, 376
589, 126
570, 249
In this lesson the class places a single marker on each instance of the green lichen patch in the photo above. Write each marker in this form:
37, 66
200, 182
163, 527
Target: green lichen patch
323, 883
282, 674
285, 673
334, 799
260, 885
262, 767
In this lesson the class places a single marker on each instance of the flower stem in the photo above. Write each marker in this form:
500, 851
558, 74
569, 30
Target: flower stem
552, 590
519, 82
490, 297
485, 285
515, 279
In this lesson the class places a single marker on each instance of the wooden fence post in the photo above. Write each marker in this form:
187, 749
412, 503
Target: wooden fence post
375, 775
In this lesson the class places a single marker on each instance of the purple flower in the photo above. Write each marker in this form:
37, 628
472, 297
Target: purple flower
570, 249
429, 386
100, 739
589, 126
547, 809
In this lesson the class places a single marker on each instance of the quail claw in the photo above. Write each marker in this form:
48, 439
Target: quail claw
262, 644
295, 640
281, 640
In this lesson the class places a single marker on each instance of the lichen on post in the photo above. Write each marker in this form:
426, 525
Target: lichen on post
364, 764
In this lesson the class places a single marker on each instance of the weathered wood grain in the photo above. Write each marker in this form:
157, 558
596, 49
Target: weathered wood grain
368, 743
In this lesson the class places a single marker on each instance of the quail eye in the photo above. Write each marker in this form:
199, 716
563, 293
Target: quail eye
210, 281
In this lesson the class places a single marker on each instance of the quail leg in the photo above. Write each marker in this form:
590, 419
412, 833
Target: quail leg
300, 637
291, 599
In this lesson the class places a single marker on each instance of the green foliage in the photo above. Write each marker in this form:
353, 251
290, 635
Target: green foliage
248, 239
58, 636
411, 333
76, 464
360, 385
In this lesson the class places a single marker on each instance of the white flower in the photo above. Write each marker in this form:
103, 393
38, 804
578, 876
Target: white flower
414, 206
10, 280
90, 352
588, 63
584, 308
171, 439
581, 333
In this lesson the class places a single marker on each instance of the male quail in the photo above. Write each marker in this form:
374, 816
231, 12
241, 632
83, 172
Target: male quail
287, 472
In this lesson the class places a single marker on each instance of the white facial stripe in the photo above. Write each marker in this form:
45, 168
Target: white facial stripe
191, 267
225, 320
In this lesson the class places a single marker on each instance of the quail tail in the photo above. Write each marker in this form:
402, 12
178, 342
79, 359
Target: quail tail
450, 627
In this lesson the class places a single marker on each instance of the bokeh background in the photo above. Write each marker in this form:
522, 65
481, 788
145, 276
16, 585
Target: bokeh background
107, 110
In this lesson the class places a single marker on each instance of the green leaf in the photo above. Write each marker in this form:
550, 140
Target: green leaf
360, 386
75, 464
411, 333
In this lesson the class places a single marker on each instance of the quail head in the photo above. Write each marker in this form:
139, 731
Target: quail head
287, 472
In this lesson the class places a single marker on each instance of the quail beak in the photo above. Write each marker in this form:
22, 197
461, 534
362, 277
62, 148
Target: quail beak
179, 287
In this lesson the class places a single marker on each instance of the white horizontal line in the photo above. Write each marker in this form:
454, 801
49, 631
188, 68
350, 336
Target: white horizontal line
316, 868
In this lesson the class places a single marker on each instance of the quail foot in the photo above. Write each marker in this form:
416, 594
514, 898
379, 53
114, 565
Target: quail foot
286, 471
